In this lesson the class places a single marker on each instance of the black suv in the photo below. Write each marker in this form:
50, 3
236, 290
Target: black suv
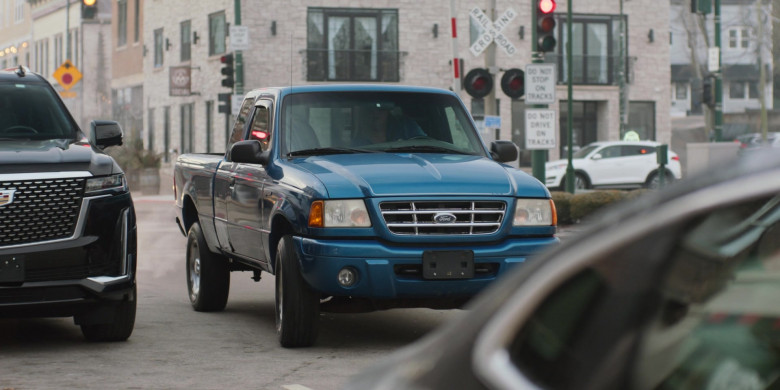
67, 222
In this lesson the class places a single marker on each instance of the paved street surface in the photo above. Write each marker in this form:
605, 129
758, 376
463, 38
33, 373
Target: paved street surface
175, 347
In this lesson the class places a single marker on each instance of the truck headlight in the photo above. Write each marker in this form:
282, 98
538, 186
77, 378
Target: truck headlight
339, 213
108, 184
535, 212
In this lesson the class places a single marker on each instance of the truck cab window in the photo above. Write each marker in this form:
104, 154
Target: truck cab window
240, 125
259, 130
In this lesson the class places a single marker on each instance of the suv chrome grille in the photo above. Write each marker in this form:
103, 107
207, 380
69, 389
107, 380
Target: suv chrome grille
42, 210
435, 217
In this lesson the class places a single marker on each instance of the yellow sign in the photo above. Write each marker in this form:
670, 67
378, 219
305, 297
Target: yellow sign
67, 75
68, 94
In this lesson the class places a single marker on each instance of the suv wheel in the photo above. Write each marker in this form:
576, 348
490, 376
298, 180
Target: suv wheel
123, 322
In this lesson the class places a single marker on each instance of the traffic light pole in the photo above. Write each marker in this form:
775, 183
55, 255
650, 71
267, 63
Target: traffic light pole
718, 79
490, 65
569, 102
538, 157
239, 86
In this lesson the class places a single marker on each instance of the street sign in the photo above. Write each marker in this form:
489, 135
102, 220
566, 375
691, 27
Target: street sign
492, 122
492, 31
180, 81
540, 83
67, 75
540, 129
239, 38
236, 104
713, 59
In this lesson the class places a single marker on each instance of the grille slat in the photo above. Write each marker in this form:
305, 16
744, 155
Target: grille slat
418, 217
42, 210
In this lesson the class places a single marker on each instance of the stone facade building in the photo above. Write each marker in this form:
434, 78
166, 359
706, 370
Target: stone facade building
296, 42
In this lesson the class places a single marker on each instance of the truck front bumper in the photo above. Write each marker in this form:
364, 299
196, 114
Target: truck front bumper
386, 271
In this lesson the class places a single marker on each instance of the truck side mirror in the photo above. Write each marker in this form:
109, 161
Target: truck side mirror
105, 133
503, 151
249, 152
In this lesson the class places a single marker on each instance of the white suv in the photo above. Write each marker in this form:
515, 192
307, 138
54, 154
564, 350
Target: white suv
614, 164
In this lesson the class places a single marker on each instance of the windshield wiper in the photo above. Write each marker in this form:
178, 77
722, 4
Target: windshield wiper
330, 150
424, 148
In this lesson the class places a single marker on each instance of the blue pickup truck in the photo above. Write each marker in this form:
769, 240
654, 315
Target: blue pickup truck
356, 198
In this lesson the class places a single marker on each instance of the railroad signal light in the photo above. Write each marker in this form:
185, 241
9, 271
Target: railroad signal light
227, 70
545, 25
513, 83
478, 83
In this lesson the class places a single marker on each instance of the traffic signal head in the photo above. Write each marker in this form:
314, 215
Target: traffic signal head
478, 83
227, 70
88, 9
513, 83
545, 25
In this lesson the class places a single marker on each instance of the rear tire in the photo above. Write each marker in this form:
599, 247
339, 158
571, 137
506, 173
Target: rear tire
654, 181
122, 326
297, 305
208, 276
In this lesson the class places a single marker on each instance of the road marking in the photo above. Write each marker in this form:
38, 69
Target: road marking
295, 387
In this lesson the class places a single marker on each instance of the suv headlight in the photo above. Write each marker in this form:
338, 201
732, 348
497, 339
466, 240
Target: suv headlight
535, 212
106, 184
339, 213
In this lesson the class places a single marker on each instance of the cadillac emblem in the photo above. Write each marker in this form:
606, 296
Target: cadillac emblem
6, 197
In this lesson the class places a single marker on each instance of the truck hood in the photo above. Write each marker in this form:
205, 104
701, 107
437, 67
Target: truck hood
52, 155
402, 174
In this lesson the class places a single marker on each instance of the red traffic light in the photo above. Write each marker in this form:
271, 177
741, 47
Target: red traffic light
547, 6
478, 83
513, 83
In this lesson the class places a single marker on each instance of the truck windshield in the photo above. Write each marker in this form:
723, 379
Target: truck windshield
29, 111
371, 121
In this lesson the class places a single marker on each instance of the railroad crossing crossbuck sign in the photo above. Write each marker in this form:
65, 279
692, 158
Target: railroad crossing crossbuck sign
492, 31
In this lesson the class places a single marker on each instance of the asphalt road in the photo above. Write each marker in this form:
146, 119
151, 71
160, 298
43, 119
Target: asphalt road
173, 346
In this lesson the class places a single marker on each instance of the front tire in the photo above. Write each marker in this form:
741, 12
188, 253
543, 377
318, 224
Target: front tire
297, 305
208, 276
122, 324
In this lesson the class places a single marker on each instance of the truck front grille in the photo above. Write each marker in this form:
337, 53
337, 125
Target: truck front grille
41, 210
443, 217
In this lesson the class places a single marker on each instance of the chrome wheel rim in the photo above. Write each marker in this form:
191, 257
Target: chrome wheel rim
279, 299
194, 274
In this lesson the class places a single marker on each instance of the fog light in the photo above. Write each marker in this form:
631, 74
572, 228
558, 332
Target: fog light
347, 277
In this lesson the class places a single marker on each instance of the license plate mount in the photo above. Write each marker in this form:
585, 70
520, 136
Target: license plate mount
448, 264
11, 269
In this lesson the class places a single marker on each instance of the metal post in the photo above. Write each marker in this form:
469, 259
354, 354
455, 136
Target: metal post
239, 81
718, 79
622, 72
490, 65
67, 29
455, 59
570, 100
538, 157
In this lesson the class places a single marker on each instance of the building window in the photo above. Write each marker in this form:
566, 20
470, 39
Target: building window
150, 142
121, 23
739, 37
352, 44
186, 128
595, 48
158, 48
167, 133
209, 125
641, 119
186, 47
137, 21
680, 91
737, 89
753, 92
217, 32
58, 50
585, 124
19, 11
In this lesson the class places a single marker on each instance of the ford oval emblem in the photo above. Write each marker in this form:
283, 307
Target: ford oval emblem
444, 218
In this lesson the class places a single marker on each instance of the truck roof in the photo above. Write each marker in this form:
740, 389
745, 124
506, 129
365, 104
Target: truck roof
347, 88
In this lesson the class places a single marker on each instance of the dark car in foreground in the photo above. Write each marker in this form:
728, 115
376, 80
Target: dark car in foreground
676, 290
67, 222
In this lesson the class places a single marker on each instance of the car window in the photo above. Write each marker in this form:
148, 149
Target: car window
582, 153
611, 152
260, 128
637, 150
237, 133
32, 111
698, 298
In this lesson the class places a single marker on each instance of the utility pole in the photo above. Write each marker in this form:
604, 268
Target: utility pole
239, 70
718, 78
761, 71
490, 65
570, 99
